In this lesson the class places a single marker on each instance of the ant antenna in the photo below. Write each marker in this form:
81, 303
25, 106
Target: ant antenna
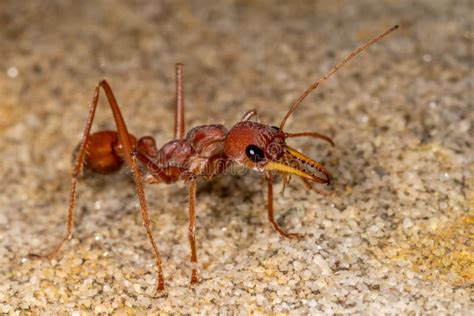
316, 84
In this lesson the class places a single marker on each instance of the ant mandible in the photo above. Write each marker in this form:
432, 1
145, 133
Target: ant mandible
205, 151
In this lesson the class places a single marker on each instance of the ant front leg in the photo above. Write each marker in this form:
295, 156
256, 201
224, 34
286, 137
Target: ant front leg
276, 226
126, 143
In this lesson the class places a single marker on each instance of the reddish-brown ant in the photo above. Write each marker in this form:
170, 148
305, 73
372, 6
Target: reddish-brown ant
205, 151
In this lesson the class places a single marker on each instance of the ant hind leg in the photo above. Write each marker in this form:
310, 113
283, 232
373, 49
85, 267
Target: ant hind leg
79, 154
125, 140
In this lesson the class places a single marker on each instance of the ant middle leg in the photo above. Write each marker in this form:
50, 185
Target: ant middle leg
192, 230
179, 114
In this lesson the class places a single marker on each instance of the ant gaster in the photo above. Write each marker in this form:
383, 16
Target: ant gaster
205, 151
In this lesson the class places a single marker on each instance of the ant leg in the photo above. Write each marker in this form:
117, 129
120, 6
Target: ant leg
81, 152
249, 114
131, 161
157, 175
124, 139
275, 225
179, 114
192, 230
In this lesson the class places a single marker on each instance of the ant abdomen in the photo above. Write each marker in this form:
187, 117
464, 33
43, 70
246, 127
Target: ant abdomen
104, 152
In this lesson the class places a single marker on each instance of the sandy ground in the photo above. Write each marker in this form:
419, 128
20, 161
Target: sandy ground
395, 237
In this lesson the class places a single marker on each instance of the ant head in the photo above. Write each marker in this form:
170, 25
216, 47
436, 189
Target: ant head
263, 148
253, 144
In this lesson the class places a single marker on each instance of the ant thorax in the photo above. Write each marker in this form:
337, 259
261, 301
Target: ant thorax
199, 154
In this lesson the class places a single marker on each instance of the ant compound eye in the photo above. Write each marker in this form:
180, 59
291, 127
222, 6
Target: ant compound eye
276, 128
255, 153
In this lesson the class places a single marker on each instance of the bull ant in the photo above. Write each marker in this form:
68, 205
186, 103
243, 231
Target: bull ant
204, 151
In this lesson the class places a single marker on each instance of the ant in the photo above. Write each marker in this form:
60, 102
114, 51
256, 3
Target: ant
205, 151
